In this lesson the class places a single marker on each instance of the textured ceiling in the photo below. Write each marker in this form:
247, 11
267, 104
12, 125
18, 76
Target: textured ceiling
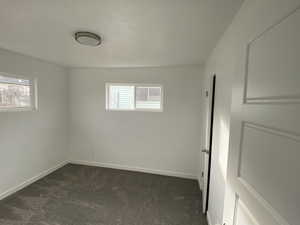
135, 32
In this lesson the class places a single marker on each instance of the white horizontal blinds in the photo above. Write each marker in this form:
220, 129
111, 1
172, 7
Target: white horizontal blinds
148, 97
121, 97
14, 92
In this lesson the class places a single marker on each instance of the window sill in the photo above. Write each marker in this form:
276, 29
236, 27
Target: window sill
27, 109
133, 110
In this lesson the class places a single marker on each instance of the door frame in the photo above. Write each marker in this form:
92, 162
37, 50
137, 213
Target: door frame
210, 123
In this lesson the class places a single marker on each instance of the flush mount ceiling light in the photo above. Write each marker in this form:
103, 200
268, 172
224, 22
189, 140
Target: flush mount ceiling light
87, 38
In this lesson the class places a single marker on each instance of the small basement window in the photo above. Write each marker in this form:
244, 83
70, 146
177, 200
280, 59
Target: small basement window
16, 94
134, 97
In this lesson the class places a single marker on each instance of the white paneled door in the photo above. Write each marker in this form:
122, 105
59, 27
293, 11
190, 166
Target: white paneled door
264, 158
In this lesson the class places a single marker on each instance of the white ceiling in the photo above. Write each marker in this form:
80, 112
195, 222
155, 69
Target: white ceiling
135, 32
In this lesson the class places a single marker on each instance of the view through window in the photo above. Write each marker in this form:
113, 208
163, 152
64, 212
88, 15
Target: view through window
15, 93
134, 97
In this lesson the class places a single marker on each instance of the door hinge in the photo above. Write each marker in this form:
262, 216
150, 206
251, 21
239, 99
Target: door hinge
202, 174
205, 151
206, 93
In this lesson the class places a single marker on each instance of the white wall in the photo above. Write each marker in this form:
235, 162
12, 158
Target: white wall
167, 142
34, 141
227, 60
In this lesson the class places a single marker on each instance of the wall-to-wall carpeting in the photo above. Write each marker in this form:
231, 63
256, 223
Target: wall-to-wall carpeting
83, 195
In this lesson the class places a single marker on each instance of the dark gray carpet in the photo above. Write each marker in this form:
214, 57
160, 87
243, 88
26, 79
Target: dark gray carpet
83, 195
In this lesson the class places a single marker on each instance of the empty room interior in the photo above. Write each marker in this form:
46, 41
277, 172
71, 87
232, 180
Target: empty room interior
149, 112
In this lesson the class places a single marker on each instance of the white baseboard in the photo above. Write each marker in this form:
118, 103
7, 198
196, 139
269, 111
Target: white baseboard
31, 180
106, 165
137, 169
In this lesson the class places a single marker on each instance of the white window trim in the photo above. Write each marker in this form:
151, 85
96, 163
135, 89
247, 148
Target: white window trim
33, 94
107, 84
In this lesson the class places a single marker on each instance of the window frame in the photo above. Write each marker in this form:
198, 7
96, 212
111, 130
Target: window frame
33, 94
108, 84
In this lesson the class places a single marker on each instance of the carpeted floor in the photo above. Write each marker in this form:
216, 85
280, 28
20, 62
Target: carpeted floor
83, 195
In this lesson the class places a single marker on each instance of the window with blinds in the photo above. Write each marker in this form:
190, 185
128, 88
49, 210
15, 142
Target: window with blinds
16, 93
133, 97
